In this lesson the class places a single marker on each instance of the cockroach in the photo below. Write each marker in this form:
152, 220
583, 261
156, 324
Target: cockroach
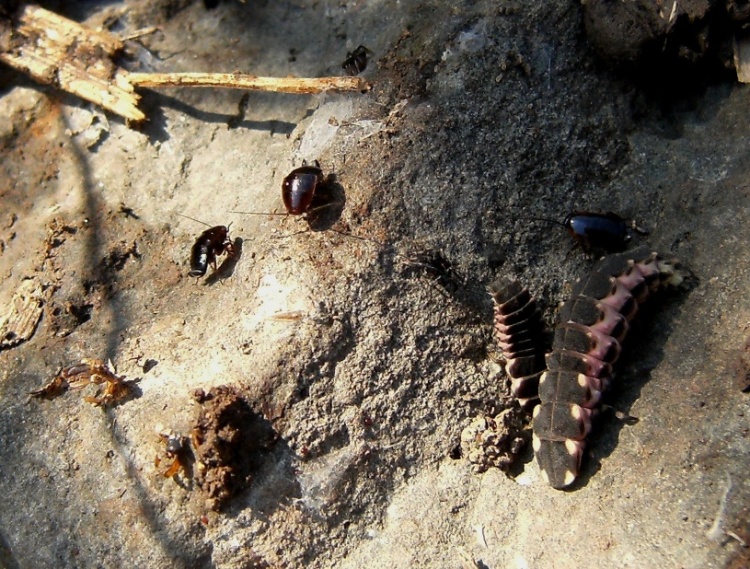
594, 322
298, 190
212, 243
356, 61
299, 187
607, 231
518, 333
597, 231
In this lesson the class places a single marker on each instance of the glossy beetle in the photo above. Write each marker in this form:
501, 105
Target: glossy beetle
305, 191
597, 231
356, 61
607, 231
212, 243
299, 187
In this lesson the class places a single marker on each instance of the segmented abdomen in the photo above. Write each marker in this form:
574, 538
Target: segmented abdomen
518, 333
594, 321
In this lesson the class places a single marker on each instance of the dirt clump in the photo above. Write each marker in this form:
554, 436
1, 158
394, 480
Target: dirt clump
495, 440
231, 442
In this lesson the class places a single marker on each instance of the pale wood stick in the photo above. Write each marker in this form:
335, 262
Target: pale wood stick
57, 51
307, 85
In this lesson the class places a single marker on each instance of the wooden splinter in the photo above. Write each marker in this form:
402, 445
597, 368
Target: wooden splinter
59, 52
302, 85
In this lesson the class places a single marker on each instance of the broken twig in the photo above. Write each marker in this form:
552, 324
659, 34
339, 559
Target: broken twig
306, 85
59, 52
62, 53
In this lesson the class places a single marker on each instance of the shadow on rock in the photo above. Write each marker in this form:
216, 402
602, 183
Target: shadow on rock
327, 205
226, 269
157, 126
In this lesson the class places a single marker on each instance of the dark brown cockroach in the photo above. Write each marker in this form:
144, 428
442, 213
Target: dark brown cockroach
298, 190
306, 191
518, 334
356, 61
606, 232
212, 243
594, 321
299, 187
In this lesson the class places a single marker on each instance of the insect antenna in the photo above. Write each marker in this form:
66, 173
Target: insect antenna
193, 219
370, 239
342, 233
259, 213
545, 219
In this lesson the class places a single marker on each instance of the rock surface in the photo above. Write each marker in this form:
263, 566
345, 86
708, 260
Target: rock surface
366, 348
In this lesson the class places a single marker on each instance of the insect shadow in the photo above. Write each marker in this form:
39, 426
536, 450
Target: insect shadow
226, 269
327, 205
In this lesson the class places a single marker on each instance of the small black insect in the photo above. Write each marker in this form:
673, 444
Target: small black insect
299, 187
606, 231
434, 264
356, 61
598, 231
212, 243
175, 444
177, 449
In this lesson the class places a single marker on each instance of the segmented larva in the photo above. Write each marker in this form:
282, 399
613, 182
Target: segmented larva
518, 334
594, 321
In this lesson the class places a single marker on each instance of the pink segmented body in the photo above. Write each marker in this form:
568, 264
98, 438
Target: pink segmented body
587, 342
518, 331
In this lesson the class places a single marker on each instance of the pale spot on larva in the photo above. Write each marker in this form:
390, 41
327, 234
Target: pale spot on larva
570, 476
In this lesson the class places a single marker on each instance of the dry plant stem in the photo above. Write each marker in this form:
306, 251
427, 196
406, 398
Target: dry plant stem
245, 81
59, 52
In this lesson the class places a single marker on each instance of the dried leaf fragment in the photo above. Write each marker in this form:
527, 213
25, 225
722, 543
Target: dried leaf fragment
89, 371
20, 320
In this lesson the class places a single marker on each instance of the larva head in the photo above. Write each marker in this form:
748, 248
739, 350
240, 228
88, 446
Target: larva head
673, 273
